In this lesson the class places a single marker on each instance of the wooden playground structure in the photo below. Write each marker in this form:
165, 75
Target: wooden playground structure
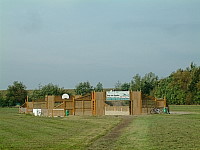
91, 104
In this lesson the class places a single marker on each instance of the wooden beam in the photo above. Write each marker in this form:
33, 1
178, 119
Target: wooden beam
73, 106
83, 107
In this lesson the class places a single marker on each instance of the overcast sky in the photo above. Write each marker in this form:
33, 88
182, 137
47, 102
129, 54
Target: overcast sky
66, 42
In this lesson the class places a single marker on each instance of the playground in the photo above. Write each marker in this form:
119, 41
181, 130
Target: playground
95, 103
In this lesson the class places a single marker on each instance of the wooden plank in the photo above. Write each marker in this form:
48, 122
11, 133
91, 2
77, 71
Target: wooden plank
136, 100
83, 107
74, 106
100, 103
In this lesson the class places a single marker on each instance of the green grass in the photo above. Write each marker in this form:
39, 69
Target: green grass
165, 131
159, 132
20, 131
185, 108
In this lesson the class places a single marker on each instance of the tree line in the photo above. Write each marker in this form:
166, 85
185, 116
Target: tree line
17, 93
180, 87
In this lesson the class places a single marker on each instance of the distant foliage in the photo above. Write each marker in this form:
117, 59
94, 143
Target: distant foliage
16, 93
3, 101
136, 83
49, 89
181, 87
118, 86
83, 88
122, 86
145, 84
99, 87
125, 86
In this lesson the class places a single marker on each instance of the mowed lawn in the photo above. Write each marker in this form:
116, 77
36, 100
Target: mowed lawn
168, 131
185, 108
20, 131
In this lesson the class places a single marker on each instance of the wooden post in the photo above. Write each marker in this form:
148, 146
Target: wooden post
156, 103
100, 103
92, 100
93, 104
33, 106
136, 103
26, 108
73, 106
83, 107
64, 107
130, 108
130, 103
165, 101
140, 102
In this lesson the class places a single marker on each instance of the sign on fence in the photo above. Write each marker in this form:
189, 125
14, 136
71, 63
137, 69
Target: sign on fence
37, 112
117, 95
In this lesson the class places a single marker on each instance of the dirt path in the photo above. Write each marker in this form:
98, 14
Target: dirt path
107, 141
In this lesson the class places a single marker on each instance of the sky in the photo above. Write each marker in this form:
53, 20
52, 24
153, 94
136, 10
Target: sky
66, 42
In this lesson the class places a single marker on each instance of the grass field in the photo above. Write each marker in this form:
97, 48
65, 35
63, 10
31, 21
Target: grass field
162, 132
170, 131
20, 131
185, 108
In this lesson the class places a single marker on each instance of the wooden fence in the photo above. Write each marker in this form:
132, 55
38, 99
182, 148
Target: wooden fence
91, 104
149, 104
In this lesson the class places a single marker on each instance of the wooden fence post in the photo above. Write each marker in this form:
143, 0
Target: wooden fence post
74, 106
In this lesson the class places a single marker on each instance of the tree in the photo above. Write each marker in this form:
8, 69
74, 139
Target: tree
83, 88
125, 86
149, 82
16, 93
181, 87
118, 86
122, 86
99, 87
2, 101
146, 84
49, 89
136, 83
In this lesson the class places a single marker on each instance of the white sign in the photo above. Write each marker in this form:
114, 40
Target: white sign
117, 95
37, 112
